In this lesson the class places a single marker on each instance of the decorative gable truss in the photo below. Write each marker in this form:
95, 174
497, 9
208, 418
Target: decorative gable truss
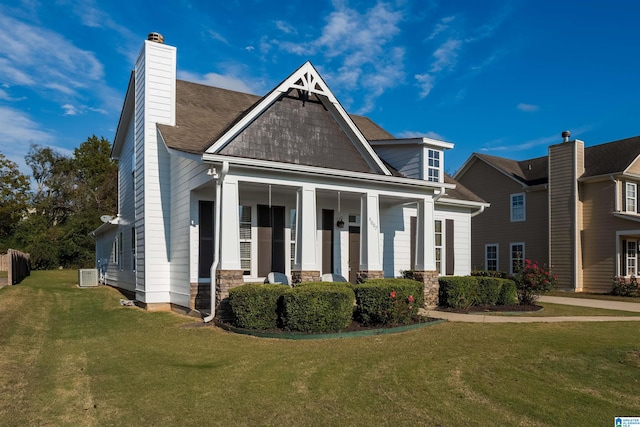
306, 80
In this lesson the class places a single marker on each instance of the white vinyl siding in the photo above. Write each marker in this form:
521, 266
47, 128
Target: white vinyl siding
518, 207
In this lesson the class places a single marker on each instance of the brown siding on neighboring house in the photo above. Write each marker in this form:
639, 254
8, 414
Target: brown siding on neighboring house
495, 226
599, 235
563, 211
634, 168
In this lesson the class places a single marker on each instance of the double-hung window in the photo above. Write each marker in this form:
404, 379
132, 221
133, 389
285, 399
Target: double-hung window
518, 207
491, 257
517, 257
433, 165
245, 239
438, 245
631, 197
631, 258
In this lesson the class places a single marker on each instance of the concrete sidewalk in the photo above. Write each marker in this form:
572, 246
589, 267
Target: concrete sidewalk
582, 302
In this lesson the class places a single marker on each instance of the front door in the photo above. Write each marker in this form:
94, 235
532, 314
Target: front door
271, 253
327, 241
354, 253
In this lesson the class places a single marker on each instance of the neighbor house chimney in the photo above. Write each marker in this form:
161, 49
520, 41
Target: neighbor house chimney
565, 135
156, 37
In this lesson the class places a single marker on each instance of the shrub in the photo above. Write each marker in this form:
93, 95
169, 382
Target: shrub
388, 301
488, 290
255, 306
533, 281
317, 307
457, 291
490, 273
508, 293
625, 288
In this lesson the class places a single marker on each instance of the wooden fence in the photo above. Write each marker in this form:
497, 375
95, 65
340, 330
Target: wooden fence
17, 264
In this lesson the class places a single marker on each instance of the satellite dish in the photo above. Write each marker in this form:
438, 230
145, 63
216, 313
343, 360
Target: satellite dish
106, 218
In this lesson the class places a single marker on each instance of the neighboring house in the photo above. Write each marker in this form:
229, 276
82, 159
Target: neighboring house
575, 210
225, 185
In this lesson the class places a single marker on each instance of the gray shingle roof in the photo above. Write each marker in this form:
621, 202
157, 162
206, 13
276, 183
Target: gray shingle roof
204, 113
609, 158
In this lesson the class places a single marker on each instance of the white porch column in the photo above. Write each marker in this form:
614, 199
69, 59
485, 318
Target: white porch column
370, 253
306, 230
425, 239
230, 226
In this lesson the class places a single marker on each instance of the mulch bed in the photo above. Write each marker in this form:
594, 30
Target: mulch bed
493, 309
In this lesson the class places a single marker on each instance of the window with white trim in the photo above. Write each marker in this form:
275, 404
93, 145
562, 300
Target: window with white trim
433, 165
518, 207
245, 239
293, 219
133, 249
114, 251
631, 258
491, 257
631, 197
438, 241
516, 257
120, 251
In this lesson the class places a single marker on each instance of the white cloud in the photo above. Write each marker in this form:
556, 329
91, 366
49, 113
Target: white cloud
217, 36
69, 110
31, 56
425, 82
415, 134
441, 27
17, 132
285, 28
527, 108
230, 82
361, 43
249, 48
446, 55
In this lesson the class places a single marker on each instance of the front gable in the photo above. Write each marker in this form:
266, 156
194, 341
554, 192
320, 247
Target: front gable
300, 122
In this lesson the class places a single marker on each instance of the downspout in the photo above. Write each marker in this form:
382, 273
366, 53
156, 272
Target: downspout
216, 258
478, 212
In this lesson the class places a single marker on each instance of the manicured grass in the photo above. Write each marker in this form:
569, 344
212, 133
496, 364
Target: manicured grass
608, 297
558, 310
73, 356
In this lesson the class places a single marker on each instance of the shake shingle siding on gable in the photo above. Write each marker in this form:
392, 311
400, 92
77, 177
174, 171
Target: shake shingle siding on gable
274, 136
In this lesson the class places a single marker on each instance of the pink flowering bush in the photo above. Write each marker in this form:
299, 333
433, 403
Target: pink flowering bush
388, 301
532, 281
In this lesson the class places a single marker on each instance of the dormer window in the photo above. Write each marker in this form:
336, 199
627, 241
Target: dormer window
433, 165
631, 197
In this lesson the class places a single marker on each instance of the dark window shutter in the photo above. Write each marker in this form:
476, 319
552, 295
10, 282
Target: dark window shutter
450, 256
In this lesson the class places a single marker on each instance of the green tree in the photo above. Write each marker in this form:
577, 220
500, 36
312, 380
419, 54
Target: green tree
14, 197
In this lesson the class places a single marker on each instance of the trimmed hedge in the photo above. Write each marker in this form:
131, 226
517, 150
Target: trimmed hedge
508, 293
388, 301
255, 306
464, 292
457, 292
317, 307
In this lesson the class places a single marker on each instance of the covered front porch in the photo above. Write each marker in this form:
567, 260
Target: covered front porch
306, 227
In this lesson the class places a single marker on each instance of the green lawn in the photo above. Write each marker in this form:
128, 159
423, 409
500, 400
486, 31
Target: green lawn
73, 356
593, 296
555, 310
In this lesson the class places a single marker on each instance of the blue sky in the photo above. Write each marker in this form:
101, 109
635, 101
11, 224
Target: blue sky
502, 77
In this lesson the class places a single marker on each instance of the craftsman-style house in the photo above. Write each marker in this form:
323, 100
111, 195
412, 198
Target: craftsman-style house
219, 188
575, 210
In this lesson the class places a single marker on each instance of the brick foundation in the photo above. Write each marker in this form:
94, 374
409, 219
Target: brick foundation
300, 276
200, 296
369, 274
431, 286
